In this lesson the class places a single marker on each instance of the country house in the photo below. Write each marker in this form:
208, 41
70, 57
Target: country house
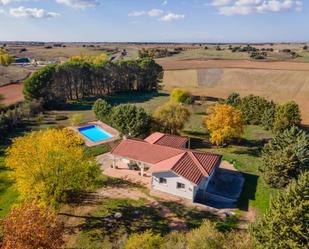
173, 168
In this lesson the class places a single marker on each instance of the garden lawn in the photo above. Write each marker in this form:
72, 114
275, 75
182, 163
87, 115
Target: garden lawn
8, 195
246, 158
101, 230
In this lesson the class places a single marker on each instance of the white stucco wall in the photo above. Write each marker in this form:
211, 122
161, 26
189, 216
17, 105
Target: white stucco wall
171, 185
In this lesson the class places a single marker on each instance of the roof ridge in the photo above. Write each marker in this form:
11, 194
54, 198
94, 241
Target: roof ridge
163, 135
199, 165
183, 154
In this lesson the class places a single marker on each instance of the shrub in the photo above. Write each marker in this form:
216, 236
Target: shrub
224, 123
205, 237
31, 108
233, 99
171, 117
175, 240
60, 117
32, 226
146, 240
285, 157
76, 119
286, 116
49, 164
285, 225
181, 96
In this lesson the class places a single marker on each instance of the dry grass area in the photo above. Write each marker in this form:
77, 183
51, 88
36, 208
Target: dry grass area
13, 74
278, 85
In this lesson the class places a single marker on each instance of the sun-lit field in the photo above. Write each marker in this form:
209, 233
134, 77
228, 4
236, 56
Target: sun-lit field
278, 85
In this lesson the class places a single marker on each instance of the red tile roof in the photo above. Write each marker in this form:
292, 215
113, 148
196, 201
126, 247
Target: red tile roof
189, 164
167, 140
142, 151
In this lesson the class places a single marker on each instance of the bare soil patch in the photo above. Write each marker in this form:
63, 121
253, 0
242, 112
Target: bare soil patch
12, 93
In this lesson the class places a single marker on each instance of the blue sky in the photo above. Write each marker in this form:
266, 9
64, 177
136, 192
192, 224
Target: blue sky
155, 20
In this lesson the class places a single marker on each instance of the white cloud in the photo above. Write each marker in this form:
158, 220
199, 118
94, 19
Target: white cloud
220, 2
246, 7
80, 4
137, 13
165, 2
32, 12
155, 12
235, 10
6, 2
171, 17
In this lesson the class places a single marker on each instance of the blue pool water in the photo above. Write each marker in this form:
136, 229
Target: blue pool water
94, 133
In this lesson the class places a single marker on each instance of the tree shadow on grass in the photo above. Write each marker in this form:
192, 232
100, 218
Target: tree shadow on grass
248, 192
250, 147
134, 219
192, 216
115, 99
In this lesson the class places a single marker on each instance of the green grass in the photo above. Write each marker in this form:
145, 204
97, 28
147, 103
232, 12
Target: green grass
97, 150
8, 195
246, 158
101, 230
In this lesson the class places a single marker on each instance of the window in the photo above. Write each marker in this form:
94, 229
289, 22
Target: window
181, 185
162, 180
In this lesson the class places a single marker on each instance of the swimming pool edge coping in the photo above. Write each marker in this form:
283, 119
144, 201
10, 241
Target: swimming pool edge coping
112, 131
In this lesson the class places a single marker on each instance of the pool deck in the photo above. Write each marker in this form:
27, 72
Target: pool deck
107, 128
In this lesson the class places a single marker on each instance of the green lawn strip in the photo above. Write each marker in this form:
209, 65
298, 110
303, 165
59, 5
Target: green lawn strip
8, 195
97, 150
137, 216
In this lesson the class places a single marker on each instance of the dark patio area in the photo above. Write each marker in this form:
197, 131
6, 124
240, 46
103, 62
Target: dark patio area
224, 189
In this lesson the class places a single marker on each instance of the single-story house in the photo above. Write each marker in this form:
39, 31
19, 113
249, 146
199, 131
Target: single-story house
173, 168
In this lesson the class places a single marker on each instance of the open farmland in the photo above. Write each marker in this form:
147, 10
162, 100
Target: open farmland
278, 85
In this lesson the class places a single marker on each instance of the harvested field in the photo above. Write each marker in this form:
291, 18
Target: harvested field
13, 74
172, 64
12, 93
278, 85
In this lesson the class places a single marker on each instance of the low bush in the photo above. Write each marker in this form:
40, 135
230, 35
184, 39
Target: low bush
60, 117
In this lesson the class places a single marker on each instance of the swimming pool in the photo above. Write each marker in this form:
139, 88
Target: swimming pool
94, 133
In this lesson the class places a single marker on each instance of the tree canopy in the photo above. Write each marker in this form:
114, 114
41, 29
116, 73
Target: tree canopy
286, 116
181, 96
171, 117
130, 119
32, 226
285, 225
102, 110
5, 58
285, 157
49, 164
78, 78
224, 123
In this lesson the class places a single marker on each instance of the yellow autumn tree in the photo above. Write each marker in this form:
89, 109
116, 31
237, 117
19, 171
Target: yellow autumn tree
47, 165
224, 123
5, 58
92, 59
